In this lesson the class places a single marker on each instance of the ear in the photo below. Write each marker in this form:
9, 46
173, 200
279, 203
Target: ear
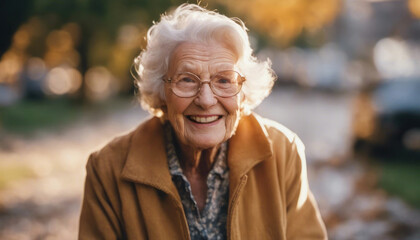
162, 100
163, 106
164, 109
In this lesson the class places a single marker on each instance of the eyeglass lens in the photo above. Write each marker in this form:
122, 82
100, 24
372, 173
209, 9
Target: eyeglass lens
224, 84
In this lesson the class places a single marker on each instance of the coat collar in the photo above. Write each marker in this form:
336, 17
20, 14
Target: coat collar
249, 146
146, 160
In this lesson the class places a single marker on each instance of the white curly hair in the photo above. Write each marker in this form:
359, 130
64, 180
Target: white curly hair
192, 23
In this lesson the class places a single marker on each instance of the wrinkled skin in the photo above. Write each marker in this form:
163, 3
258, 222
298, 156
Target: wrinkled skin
204, 61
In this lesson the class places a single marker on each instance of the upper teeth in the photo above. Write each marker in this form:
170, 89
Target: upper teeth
204, 119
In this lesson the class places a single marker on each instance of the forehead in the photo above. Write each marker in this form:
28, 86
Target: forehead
201, 57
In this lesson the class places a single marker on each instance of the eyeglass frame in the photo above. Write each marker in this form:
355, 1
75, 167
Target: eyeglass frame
169, 80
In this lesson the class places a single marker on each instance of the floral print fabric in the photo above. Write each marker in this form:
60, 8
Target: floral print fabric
211, 222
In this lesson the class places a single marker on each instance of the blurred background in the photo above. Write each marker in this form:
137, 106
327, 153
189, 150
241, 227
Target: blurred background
348, 84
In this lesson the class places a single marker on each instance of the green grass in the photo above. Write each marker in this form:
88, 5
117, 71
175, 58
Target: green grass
401, 179
27, 116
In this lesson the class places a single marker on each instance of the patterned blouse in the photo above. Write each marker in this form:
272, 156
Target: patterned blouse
211, 222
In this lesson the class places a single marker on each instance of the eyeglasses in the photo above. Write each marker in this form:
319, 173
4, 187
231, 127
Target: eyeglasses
224, 84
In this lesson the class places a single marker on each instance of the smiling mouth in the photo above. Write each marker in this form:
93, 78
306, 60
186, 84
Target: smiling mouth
209, 119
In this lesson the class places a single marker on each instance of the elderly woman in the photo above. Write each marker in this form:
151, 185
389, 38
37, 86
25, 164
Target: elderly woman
204, 167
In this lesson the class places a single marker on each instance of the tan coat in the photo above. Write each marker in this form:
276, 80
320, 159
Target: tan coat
129, 193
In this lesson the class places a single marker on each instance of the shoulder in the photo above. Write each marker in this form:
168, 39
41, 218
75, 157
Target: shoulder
285, 144
112, 157
277, 132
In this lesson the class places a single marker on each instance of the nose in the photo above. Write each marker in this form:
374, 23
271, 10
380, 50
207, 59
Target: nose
205, 97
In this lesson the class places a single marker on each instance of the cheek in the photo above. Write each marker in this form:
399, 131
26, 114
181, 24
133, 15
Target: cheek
174, 104
175, 108
176, 120
232, 120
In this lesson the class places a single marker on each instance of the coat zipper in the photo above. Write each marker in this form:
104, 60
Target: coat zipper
235, 196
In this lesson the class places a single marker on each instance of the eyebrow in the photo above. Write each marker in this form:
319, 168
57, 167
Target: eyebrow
222, 67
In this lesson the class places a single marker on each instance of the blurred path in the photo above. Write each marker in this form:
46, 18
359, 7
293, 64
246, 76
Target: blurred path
321, 120
350, 202
47, 206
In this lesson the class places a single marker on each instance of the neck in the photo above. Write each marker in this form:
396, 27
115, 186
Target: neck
196, 161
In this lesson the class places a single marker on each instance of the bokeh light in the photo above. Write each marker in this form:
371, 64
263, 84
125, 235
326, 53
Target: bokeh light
59, 40
129, 36
61, 50
393, 59
21, 39
61, 80
58, 82
414, 7
10, 66
36, 68
98, 83
285, 20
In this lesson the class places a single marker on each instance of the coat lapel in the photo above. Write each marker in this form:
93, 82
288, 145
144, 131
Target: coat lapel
248, 147
146, 161
147, 164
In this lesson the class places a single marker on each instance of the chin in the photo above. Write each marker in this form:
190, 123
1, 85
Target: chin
205, 143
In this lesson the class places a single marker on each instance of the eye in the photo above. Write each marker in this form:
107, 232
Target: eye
187, 80
226, 78
223, 80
